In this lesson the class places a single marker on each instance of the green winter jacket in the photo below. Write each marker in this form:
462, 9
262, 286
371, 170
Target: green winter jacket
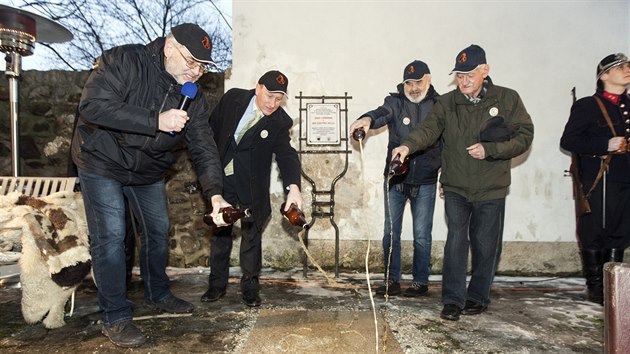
460, 121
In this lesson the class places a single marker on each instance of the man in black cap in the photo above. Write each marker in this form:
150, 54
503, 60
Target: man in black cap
600, 144
475, 176
250, 128
401, 112
129, 122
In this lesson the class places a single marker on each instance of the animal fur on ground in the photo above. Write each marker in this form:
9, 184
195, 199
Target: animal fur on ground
55, 251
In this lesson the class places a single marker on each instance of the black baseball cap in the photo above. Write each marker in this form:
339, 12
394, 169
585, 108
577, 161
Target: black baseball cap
195, 39
274, 81
610, 62
415, 70
469, 58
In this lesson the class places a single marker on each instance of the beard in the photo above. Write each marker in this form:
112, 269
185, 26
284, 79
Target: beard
416, 99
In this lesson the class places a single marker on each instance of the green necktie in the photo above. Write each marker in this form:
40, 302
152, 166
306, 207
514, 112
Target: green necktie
251, 123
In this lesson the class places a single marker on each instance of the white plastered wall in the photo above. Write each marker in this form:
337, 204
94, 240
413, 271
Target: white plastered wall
540, 48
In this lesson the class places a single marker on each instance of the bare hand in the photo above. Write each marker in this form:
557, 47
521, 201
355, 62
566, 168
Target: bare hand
294, 197
363, 122
217, 203
172, 120
617, 145
477, 151
402, 150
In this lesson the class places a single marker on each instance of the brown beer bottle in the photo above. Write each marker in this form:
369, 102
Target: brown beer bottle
359, 134
228, 214
294, 215
397, 167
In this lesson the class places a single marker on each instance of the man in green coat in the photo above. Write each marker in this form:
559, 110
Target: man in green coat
483, 127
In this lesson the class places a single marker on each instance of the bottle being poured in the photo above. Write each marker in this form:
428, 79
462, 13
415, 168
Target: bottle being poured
294, 215
398, 167
226, 215
359, 134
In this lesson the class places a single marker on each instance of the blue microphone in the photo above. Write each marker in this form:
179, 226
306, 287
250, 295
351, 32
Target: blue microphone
188, 92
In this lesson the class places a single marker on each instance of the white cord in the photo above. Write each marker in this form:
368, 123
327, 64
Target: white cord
72, 302
367, 275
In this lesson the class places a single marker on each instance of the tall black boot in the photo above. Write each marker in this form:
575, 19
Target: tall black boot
613, 255
593, 267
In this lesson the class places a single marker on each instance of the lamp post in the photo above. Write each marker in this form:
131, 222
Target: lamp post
19, 30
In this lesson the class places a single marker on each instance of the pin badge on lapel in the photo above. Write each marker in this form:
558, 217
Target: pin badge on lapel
264, 133
406, 121
494, 111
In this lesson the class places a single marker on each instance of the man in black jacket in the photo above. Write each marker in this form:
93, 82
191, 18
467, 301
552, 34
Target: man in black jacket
249, 128
127, 127
604, 234
402, 111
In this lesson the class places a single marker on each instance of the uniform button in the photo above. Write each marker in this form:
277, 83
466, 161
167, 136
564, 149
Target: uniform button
622, 105
627, 121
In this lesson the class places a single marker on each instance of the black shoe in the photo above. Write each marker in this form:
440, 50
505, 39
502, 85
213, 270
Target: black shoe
473, 308
451, 312
251, 298
213, 294
124, 334
392, 290
173, 304
416, 290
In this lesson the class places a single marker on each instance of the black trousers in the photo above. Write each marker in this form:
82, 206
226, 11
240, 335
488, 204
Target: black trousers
222, 239
592, 232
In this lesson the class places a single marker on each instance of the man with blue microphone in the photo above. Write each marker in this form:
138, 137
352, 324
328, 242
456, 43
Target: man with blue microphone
138, 103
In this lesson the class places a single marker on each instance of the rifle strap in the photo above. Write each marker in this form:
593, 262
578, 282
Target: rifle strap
606, 161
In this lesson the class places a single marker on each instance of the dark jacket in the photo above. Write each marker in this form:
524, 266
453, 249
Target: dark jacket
587, 133
401, 116
252, 156
117, 133
460, 121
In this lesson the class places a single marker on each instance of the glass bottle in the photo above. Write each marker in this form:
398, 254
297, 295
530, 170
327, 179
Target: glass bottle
229, 215
294, 215
359, 134
397, 167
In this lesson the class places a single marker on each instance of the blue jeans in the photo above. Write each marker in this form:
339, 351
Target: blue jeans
479, 224
104, 200
422, 199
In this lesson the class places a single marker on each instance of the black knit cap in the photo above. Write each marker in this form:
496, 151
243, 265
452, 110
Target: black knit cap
195, 39
609, 62
274, 81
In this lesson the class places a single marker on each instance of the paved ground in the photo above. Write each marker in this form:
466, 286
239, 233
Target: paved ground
527, 315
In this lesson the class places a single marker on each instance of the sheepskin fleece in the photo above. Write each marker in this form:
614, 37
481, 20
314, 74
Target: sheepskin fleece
54, 246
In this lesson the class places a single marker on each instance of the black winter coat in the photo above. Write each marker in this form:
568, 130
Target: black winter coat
117, 132
401, 116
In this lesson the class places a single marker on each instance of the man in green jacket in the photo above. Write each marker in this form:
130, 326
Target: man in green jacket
483, 127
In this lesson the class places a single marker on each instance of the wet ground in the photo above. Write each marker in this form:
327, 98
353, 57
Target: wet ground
298, 315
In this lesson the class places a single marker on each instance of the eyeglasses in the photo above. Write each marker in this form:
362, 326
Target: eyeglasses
193, 64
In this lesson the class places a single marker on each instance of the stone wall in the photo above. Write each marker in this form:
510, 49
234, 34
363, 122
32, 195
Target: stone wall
47, 104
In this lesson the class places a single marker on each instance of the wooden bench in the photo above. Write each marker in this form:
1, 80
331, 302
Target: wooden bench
36, 186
